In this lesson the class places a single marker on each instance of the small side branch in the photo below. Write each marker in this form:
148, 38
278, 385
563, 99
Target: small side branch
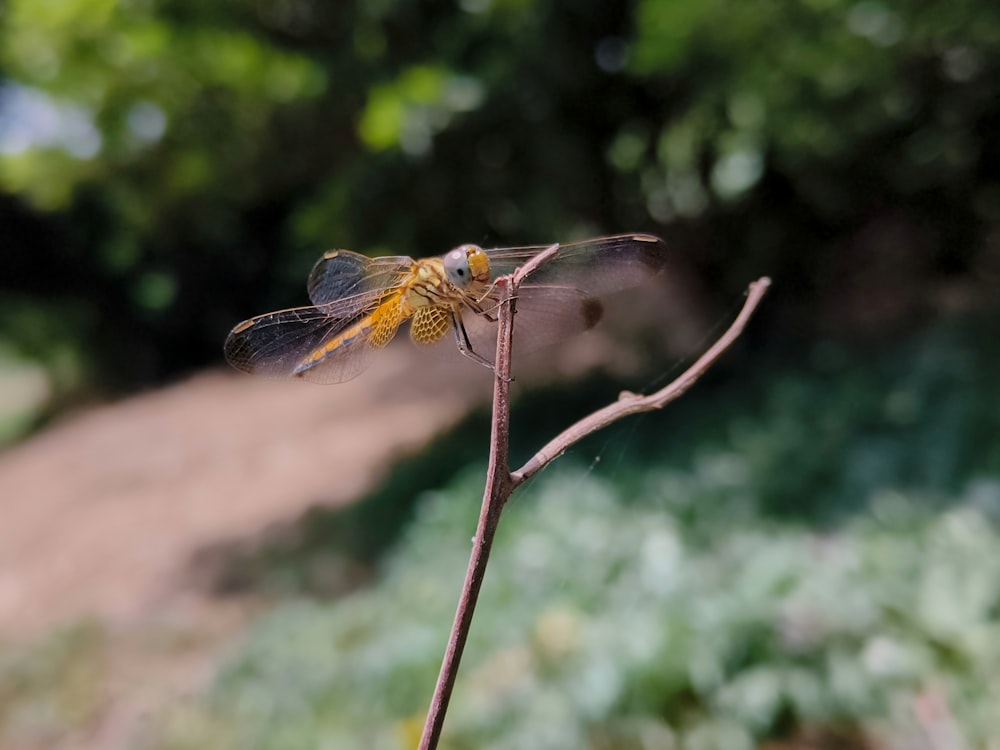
501, 482
632, 403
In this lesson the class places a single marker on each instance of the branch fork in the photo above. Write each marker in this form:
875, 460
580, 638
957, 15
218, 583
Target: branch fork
501, 481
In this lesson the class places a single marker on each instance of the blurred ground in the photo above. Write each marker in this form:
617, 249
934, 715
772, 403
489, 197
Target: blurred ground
102, 512
105, 513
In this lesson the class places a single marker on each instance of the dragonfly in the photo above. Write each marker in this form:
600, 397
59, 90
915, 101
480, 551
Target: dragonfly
359, 303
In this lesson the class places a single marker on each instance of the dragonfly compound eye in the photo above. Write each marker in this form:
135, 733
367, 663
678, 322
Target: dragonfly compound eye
456, 265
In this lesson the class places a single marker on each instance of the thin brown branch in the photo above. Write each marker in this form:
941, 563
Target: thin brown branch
500, 483
498, 489
632, 403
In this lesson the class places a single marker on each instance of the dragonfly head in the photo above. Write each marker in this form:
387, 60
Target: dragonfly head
467, 264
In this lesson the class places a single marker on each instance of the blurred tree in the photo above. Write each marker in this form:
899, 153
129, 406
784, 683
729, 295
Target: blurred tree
850, 145
168, 169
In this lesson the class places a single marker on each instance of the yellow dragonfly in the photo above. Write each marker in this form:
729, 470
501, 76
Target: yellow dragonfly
358, 303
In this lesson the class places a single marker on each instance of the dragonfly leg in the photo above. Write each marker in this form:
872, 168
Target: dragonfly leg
463, 343
487, 312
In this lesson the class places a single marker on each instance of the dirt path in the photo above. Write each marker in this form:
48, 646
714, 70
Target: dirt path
101, 513
102, 517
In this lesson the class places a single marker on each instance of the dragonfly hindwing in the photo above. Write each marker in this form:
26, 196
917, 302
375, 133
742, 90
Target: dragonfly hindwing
385, 319
430, 324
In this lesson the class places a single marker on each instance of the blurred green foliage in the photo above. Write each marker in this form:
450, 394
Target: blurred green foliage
49, 691
607, 629
168, 169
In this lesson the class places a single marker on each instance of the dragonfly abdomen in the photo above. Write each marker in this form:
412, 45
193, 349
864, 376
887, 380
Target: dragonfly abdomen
374, 330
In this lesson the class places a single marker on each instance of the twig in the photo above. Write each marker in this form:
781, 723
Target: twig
633, 403
500, 482
498, 489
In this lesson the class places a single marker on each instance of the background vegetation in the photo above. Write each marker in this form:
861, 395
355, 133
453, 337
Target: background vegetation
168, 168
812, 563
708, 584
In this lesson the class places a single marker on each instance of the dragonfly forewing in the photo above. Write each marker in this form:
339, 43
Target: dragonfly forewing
343, 274
595, 267
562, 297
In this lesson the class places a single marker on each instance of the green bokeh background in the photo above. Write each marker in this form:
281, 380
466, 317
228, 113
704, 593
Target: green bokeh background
205, 153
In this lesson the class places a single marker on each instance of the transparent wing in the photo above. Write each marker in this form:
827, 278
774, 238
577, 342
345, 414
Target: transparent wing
345, 287
546, 315
343, 274
276, 344
562, 298
594, 267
